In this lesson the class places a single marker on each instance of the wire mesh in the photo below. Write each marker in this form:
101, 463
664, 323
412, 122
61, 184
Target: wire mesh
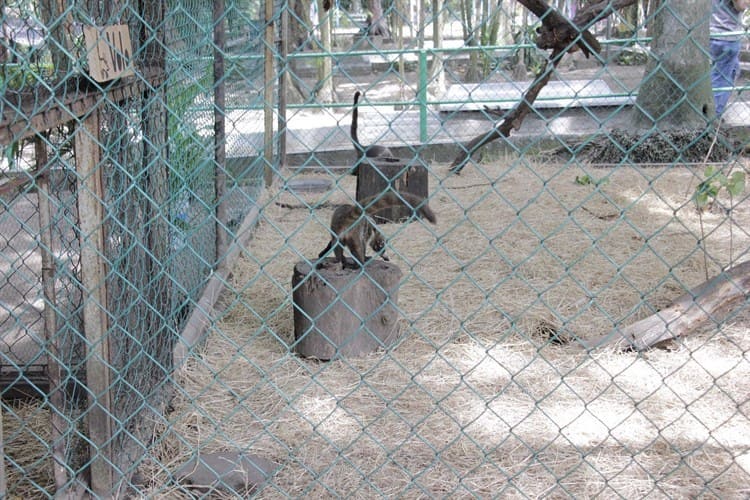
555, 234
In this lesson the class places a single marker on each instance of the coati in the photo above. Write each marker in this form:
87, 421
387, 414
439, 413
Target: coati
371, 151
353, 228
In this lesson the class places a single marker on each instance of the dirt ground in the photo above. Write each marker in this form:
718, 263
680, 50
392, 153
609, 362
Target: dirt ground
474, 399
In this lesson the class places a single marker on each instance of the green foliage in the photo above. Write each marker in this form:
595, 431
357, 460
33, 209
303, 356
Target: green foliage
22, 76
632, 57
190, 151
186, 145
708, 191
587, 180
12, 152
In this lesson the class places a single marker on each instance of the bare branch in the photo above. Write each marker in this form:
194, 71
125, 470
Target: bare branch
556, 33
599, 11
513, 120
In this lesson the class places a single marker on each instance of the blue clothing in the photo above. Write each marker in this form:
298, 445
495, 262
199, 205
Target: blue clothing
725, 50
725, 19
725, 55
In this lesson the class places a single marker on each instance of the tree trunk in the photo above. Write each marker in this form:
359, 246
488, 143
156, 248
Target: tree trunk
298, 35
343, 313
490, 28
470, 39
397, 21
676, 90
61, 32
378, 24
437, 69
325, 68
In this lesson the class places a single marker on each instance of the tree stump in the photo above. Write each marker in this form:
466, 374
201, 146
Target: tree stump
344, 312
377, 175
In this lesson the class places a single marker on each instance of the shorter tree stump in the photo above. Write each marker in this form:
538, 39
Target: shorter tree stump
344, 312
377, 175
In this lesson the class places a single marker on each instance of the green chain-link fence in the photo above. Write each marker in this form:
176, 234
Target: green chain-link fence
573, 324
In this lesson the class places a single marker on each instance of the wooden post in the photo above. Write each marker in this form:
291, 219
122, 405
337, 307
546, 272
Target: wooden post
283, 78
54, 370
3, 481
269, 75
91, 212
377, 175
220, 164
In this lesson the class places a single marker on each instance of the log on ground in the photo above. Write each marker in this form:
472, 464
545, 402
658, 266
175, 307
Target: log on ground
710, 302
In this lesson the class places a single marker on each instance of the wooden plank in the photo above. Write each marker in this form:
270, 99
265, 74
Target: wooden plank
54, 370
91, 213
202, 314
23, 118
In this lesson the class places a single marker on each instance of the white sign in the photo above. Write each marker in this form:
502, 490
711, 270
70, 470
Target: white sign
109, 52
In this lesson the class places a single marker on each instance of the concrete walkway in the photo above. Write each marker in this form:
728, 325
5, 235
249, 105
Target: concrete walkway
321, 138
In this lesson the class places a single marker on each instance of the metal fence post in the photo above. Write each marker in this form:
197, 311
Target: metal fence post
422, 96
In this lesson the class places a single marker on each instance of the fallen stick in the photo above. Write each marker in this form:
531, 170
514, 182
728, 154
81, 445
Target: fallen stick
710, 302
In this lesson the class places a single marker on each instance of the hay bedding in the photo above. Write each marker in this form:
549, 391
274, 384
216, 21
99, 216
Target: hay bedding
473, 400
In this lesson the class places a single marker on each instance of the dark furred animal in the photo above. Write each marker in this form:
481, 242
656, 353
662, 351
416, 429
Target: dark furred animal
371, 151
352, 226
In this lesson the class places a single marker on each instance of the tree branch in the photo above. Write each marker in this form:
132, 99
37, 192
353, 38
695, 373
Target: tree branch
556, 33
512, 119
598, 11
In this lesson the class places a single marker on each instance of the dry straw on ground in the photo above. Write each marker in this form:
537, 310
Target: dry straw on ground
474, 400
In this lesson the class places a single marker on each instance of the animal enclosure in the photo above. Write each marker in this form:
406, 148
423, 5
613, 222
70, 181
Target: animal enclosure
151, 224
476, 398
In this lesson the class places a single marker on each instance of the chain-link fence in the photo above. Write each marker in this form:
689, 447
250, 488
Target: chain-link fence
572, 321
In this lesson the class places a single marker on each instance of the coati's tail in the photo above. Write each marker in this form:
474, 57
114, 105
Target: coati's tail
353, 128
327, 248
395, 199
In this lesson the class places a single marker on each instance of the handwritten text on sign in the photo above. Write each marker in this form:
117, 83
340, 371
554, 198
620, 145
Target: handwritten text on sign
109, 52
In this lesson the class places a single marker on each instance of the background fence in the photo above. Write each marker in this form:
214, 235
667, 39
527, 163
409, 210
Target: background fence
152, 225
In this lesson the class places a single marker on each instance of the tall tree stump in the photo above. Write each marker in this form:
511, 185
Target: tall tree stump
377, 175
344, 312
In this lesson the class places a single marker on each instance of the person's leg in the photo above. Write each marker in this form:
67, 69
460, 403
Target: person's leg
725, 63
